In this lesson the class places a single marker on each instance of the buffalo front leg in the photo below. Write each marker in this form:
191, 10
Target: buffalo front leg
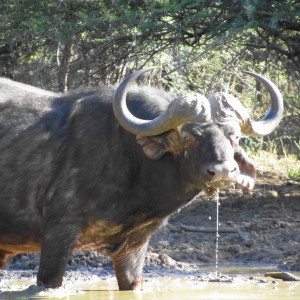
57, 245
129, 265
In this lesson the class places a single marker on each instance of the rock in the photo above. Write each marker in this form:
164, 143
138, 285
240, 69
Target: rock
271, 194
285, 276
250, 243
262, 281
291, 182
234, 249
167, 261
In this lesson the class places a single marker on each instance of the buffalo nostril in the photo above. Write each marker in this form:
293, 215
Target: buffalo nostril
212, 173
226, 170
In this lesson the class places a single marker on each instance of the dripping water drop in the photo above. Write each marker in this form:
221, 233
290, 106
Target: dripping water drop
217, 233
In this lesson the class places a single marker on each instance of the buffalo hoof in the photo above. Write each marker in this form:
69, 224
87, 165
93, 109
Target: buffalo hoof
134, 286
50, 284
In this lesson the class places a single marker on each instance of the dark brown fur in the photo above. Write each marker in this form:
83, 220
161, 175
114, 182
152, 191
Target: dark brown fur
72, 178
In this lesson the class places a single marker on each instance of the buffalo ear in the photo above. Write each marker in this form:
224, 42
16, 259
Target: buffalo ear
155, 147
247, 169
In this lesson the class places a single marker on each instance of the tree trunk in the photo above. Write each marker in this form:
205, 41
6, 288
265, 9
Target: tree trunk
64, 66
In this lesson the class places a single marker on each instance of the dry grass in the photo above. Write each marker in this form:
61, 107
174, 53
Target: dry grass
281, 167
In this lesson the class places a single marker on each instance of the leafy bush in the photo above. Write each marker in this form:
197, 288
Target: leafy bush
294, 174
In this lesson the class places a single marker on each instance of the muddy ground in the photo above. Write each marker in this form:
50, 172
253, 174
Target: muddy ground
267, 224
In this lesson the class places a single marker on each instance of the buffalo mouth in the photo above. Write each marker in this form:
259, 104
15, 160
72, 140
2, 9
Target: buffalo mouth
246, 182
211, 188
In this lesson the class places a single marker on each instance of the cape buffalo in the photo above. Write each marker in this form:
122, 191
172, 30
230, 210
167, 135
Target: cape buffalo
103, 168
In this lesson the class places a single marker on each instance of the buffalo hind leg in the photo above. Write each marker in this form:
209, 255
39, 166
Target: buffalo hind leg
4, 255
57, 245
129, 265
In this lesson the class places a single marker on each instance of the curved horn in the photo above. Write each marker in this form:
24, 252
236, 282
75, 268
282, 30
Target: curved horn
188, 108
270, 121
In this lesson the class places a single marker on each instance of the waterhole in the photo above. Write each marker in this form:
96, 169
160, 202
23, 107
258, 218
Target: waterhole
247, 282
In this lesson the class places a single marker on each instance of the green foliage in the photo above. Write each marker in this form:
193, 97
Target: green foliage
277, 145
294, 174
200, 45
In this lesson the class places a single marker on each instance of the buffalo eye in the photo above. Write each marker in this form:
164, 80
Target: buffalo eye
188, 140
232, 131
234, 140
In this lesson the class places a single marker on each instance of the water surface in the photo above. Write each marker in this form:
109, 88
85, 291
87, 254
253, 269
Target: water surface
248, 283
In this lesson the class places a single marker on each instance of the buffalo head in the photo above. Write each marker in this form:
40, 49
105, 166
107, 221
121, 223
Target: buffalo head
202, 134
